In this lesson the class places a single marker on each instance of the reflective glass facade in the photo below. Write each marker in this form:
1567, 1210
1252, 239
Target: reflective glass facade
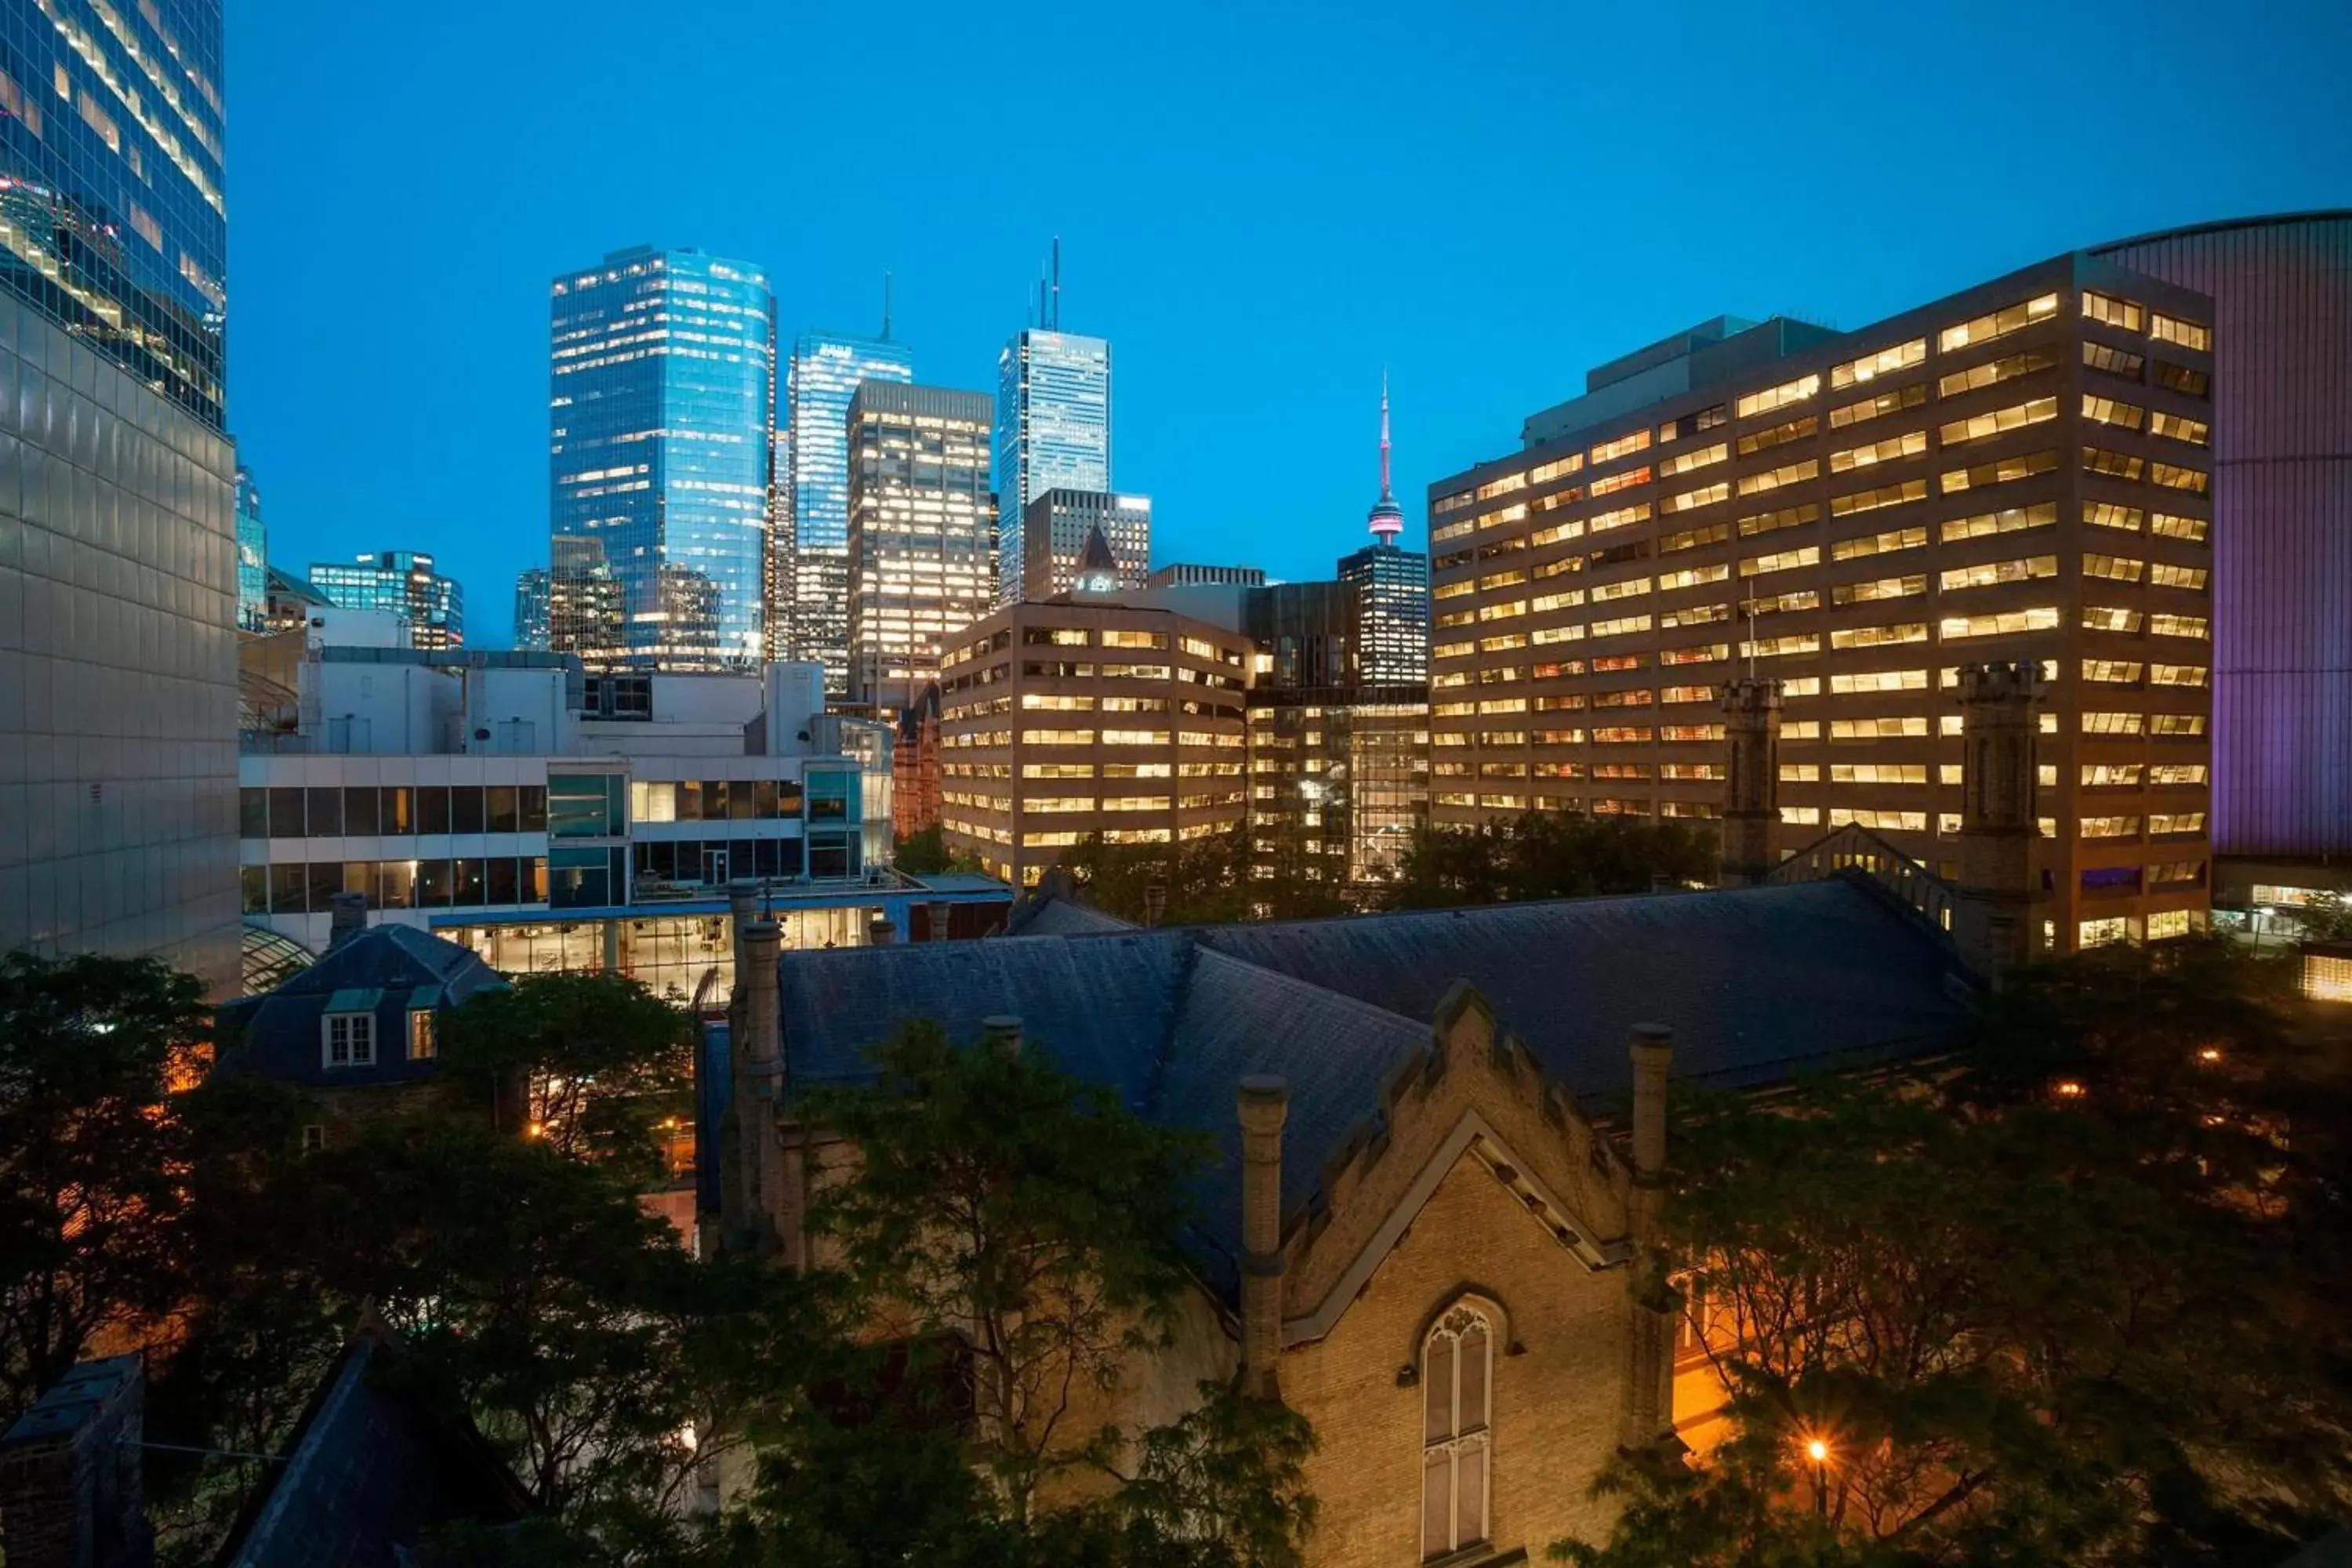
118, 662
821, 378
1053, 432
659, 409
1393, 591
113, 219
403, 581
252, 556
530, 610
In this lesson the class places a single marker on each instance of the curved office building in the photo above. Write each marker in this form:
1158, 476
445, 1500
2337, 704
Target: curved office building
2282, 292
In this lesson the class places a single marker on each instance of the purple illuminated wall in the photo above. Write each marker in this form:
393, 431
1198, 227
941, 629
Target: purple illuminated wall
2282, 289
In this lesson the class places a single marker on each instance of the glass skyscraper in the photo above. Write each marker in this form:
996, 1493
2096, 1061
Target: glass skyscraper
112, 214
530, 610
1392, 587
821, 377
659, 446
403, 581
252, 556
118, 632
1053, 432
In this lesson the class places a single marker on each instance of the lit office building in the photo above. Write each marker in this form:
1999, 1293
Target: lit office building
922, 533
660, 406
1339, 765
823, 374
1054, 532
1391, 588
113, 265
530, 610
2021, 471
1053, 432
252, 556
403, 581
1062, 719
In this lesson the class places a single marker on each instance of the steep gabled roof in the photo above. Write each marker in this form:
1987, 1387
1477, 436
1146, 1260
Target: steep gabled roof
385, 970
1757, 984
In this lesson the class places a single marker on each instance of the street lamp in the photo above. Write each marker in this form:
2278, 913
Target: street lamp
1818, 1451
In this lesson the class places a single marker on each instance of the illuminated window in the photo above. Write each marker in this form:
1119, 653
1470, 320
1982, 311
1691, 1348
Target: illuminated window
1993, 372
1878, 543
2110, 827
1986, 573
2000, 472
2176, 724
2114, 723
1884, 496
2166, 624
2007, 623
2112, 671
2123, 313
1997, 422
1887, 728
1697, 458
2109, 618
1623, 517
2164, 574
2111, 775
2113, 464
2177, 822
1779, 397
1705, 495
1786, 517
2180, 378
1781, 561
2103, 932
2174, 477
2114, 361
2108, 411
1876, 681
2107, 514
1909, 444
1633, 441
1879, 637
1998, 324
1886, 361
2165, 525
1779, 435
2179, 428
2009, 520
2179, 330
1773, 478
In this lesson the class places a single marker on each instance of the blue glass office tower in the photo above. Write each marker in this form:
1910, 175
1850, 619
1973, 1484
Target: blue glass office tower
821, 379
112, 214
118, 792
252, 556
1053, 432
404, 583
659, 447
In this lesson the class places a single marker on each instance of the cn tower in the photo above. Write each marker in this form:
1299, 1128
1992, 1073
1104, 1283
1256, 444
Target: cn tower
1387, 517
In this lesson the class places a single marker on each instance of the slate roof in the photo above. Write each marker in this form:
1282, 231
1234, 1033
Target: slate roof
1052, 907
373, 1466
1756, 983
385, 970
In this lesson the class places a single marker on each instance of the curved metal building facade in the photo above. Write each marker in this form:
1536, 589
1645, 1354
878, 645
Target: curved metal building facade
2282, 290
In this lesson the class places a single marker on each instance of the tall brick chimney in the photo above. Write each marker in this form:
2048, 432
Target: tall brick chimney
1751, 779
72, 1493
752, 1181
1992, 919
1652, 1304
1263, 1104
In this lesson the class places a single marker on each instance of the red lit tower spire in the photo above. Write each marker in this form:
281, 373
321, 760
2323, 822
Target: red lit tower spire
1387, 519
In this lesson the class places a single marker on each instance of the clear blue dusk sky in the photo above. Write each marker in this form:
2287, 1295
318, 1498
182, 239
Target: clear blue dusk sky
1260, 205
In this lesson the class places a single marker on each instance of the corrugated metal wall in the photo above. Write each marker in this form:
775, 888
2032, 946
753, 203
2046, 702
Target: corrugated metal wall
2283, 522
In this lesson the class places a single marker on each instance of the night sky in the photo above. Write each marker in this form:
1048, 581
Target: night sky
1260, 205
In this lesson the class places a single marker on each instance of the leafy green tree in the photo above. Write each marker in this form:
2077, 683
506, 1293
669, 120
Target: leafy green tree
602, 1063
996, 1204
89, 1156
2068, 1300
1200, 881
927, 854
1549, 855
2328, 918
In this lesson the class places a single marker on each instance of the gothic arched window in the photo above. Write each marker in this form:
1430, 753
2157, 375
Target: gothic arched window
1457, 1363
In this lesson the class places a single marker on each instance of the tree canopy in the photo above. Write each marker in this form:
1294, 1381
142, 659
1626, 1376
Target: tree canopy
927, 854
1549, 855
1994, 1292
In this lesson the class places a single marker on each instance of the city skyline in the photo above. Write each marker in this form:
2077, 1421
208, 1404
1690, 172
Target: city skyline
1250, 315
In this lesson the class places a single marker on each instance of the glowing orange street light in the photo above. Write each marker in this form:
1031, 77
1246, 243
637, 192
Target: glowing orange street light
2069, 1088
1817, 1449
536, 1130
2210, 1054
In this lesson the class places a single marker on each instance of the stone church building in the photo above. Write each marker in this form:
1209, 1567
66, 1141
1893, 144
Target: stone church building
1441, 1134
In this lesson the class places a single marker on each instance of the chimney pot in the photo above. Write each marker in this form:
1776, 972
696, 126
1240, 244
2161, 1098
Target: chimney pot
1002, 1035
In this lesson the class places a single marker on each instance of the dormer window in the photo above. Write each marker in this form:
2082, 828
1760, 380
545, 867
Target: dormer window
424, 1040
350, 1040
